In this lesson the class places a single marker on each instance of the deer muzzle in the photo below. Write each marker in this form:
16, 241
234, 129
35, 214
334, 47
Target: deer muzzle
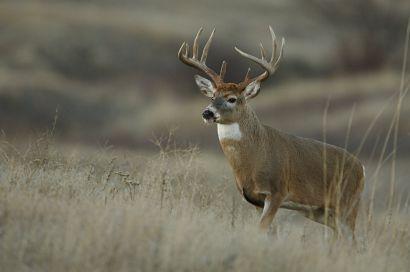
210, 115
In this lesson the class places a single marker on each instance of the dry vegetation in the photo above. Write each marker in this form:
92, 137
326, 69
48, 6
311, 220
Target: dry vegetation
73, 209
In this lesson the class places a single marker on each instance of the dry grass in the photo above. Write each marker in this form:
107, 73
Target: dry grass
64, 209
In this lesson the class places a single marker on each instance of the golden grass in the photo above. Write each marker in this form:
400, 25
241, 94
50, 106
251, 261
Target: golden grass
104, 210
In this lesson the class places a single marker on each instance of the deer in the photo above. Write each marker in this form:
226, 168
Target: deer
274, 169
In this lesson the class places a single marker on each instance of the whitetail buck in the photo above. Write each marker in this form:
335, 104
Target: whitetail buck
274, 169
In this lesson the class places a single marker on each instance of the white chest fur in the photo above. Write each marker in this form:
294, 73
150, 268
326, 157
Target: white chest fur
229, 132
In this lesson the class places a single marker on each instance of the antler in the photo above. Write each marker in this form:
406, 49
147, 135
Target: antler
269, 67
200, 64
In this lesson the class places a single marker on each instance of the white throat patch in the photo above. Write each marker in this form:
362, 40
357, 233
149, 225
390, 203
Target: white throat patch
229, 132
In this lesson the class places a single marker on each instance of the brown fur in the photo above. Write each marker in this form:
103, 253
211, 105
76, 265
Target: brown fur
226, 89
267, 161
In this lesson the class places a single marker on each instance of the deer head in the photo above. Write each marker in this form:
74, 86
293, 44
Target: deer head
228, 99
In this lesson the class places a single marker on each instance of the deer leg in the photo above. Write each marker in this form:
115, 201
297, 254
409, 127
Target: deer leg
323, 217
349, 221
343, 227
270, 207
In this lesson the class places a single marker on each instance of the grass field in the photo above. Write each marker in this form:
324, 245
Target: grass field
65, 208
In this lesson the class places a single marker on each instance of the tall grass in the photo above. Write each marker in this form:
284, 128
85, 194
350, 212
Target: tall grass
105, 211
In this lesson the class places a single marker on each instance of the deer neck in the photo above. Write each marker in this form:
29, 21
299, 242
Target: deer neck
240, 141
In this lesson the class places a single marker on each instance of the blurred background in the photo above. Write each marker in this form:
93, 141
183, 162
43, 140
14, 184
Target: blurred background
108, 70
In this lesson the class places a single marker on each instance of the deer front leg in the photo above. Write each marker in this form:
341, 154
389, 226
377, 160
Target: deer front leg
271, 205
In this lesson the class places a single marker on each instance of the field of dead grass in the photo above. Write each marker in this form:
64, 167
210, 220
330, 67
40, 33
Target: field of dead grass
77, 209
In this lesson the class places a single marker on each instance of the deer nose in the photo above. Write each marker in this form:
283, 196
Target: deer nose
207, 114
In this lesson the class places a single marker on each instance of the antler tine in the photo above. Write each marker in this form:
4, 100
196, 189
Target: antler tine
223, 70
183, 55
248, 56
206, 47
274, 45
180, 50
271, 66
247, 75
280, 53
263, 52
186, 49
195, 46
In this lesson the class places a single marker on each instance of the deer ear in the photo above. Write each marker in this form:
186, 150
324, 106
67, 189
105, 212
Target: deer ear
252, 89
205, 86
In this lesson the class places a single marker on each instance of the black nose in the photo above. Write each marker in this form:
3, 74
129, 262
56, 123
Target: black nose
207, 114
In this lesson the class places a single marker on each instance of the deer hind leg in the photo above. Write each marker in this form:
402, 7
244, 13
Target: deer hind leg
351, 217
343, 225
348, 221
314, 213
323, 217
354, 207
349, 204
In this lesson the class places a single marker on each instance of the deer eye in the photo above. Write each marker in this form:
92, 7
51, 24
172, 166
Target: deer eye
232, 100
